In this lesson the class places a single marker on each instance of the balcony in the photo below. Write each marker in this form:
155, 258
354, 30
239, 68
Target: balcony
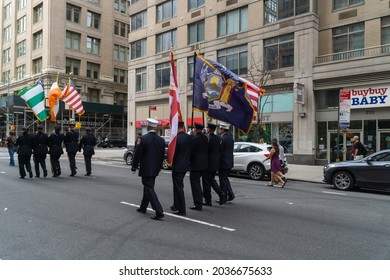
354, 54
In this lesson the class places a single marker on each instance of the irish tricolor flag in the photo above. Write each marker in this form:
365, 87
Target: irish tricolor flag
35, 99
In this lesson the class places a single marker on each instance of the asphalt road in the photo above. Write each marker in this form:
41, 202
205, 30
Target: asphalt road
94, 218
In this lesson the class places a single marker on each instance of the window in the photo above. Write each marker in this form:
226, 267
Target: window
120, 6
190, 69
273, 103
7, 11
138, 20
163, 72
73, 13
94, 1
73, 40
93, 46
38, 13
233, 22
235, 59
134, 1
275, 10
73, 66
339, 4
93, 70
21, 48
93, 20
6, 77
7, 55
7, 33
120, 76
328, 99
21, 4
121, 53
279, 52
93, 95
37, 40
22, 24
347, 38
195, 4
37, 65
385, 33
120, 99
166, 10
138, 49
196, 32
140, 79
165, 41
121, 29
20, 72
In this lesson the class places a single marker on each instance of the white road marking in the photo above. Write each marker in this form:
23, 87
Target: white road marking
2, 172
184, 218
334, 193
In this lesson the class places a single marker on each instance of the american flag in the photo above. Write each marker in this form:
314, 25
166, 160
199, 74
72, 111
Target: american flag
72, 98
254, 92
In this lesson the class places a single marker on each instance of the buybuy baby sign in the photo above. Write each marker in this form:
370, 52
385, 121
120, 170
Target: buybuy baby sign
370, 97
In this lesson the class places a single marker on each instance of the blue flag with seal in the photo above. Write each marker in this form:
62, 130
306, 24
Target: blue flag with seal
221, 93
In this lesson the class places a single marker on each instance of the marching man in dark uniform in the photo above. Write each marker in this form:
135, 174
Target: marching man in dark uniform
150, 155
180, 166
40, 142
199, 165
227, 160
88, 142
55, 151
71, 141
208, 180
24, 143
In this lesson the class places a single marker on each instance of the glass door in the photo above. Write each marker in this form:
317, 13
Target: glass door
340, 148
384, 140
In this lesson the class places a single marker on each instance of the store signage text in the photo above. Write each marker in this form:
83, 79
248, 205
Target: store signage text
370, 97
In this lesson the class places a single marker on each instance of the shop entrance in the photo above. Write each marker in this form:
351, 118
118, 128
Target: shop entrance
340, 148
384, 140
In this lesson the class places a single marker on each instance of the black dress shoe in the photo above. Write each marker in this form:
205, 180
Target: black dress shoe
37, 176
196, 208
88, 174
179, 213
31, 174
21, 177
141, 211
173, 208
231, 197
157, 217
221, 201
208, 203
45, 173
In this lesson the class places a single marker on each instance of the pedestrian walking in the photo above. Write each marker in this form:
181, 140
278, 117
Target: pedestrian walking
150, 155
180, 166
358, 149
71, 141
281, 158
24, 143
40, 144
88, 143
275, 165
55, 150
10, 143
227, 161
214, 154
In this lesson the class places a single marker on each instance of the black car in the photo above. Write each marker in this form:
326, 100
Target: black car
113, 142
372, 171
129, 153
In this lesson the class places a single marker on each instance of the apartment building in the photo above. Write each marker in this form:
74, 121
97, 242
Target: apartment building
86, 41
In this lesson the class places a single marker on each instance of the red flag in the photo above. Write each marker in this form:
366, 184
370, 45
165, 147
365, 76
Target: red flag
175, 113
72, 98
152, 107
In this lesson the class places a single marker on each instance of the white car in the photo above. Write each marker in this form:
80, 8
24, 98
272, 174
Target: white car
248, 159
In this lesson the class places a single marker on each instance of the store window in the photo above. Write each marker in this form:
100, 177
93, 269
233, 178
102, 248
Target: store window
273, 103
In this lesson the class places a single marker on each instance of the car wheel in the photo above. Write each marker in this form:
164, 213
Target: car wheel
256, 171
111, 145
343, 181
165, 165
129, 159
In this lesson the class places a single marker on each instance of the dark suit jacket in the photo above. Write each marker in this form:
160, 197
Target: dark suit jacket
183, 152
88, 142
227, 159
40, 142
199, 158
55, 144
71, 141
149, 155
25, 144
214, 152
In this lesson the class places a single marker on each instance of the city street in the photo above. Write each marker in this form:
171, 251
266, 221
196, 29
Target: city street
93, 218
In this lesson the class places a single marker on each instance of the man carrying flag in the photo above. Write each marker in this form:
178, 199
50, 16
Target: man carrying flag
35, 97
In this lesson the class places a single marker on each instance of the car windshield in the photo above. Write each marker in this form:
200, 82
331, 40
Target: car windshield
381, 157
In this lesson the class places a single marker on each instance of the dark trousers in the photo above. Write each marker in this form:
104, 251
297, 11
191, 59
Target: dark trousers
196, 188
55, 165
208, 181
224, 182
40, 160
72, 162
24, 161
88, 164
150, 196
178, 191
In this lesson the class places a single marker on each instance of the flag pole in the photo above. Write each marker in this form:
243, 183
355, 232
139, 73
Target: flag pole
193, 87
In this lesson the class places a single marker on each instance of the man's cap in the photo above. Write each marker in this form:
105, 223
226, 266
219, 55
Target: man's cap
152, 122
199, 125
211, 126
88, 129
181, 124
224, 126
57, 128
39, 127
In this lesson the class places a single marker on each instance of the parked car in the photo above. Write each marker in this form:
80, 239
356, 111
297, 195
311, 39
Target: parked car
248, 160
113, 142
129, 154
372, 171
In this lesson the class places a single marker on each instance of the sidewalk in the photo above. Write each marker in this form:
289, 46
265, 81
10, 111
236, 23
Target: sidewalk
296, 172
